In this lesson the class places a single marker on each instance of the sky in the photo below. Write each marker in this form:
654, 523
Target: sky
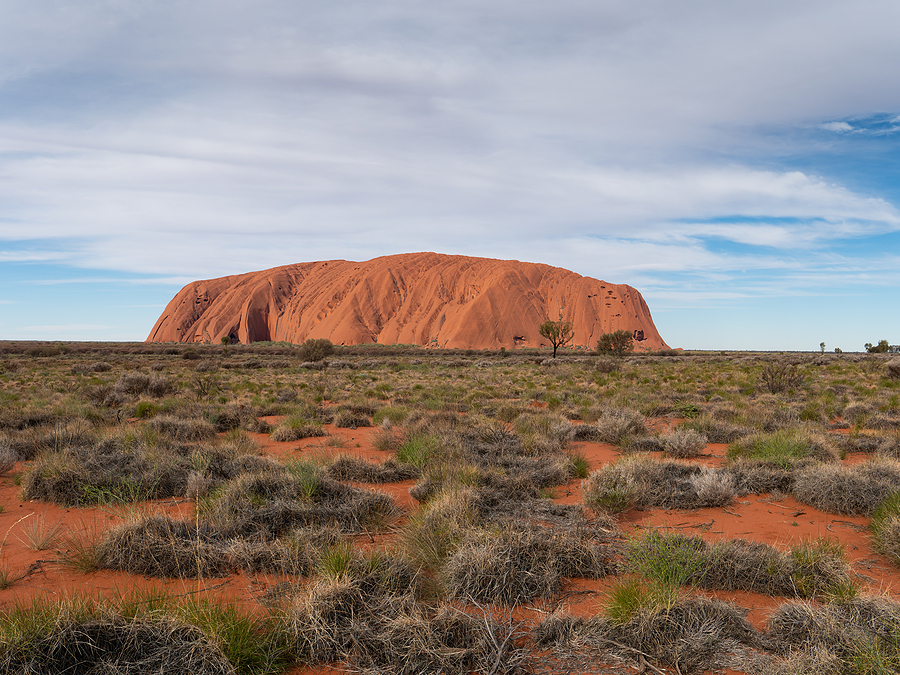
737, 163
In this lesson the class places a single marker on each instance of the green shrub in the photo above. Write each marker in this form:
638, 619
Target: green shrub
628, 600
418, 450
609, 490
777, 377
619, 343
313, 350
784, 447
395, 413
886, 527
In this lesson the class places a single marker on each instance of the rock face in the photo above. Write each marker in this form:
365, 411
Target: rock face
417, 298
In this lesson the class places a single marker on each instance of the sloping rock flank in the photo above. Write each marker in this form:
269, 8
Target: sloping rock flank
417, 298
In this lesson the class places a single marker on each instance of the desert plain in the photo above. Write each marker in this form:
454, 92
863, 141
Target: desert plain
226, 508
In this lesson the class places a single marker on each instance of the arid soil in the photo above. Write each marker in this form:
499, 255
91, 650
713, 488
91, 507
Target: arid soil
846, 409
780, 522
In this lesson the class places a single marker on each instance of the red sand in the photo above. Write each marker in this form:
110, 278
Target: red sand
781, 523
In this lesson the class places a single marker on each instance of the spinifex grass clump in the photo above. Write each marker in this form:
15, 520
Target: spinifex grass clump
368, 613
513, 564
138, 635
117, 470
134, 464
861, 635
759, 476
886, 527
295, 428
351, 416
8, 458
717, 430
691, 635
433, 532
188, 430
162, 547
684, 443
271, 503
484, 454
785, 447
645, 481
817, 568
32, 441
159, 546
104, 643
542, 434
351, 468
856, 489
418, 449
667, 560
610, 490
612, 425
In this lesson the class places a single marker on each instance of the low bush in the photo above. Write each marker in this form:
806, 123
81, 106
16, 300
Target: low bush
684, 443
785, 446
861, 635
517, 564
778, 377
105, 642
295, 429
609, 490
690, 636
315, 350
351, 468
886, 527
644, 481
853, 490
159, 546
617, 425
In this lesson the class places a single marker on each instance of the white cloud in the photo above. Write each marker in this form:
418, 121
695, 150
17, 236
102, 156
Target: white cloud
31, 255
837, 126
150, 281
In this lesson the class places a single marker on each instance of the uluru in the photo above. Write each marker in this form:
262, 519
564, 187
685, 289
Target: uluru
428, 299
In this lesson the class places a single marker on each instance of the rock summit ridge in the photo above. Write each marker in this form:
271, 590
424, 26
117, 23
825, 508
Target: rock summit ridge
429, 299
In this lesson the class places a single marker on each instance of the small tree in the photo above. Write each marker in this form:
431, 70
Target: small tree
881, 348
822, 347
619, 343
560, 333
315, 349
